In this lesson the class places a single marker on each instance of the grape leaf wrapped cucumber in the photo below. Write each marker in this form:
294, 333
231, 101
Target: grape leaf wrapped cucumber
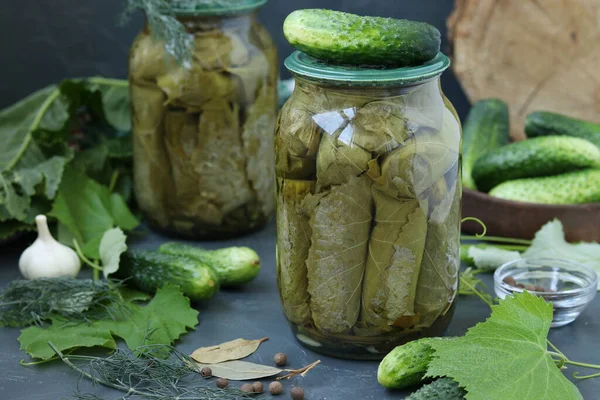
344, 38
233, 265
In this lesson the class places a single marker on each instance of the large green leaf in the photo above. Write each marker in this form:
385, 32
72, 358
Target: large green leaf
87, 209
506, 356
162, 321
19, 120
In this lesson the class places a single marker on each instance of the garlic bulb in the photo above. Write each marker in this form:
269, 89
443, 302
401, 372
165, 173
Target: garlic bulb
47, 258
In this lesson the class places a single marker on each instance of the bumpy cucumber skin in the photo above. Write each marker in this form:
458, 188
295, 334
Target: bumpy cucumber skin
486, 128
235, 266
543, 123
542, 156
440, 389
577, 187
344, 38
405, 366
151, 270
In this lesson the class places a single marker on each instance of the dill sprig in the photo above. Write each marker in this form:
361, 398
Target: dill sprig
35, 302
148, 372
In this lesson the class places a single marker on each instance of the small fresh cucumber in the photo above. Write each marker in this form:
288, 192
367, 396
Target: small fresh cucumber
234, 265
440, 389
406, 365
486, 128
542, 156
577, 187
150, 270
543, 123
344, 38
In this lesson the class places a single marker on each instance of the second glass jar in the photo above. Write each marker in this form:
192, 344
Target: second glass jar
203, 130
368, 206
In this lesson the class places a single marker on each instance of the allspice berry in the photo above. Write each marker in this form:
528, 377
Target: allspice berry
222, 383
247, 388
206, 372
280, 359
275, 388
258, 387
297, 393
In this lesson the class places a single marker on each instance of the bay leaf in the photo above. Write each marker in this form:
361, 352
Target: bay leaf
232, 350
240, 370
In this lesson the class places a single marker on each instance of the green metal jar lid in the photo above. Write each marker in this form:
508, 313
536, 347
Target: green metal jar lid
309, 67
214, 7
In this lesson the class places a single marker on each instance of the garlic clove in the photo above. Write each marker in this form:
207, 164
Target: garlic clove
46, 257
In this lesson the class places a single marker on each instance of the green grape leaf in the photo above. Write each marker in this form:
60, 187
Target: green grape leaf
491, 258
86, 209
163, 320
550, 242
506, 356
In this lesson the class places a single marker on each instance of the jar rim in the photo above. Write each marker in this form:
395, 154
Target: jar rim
214, 7
305, 66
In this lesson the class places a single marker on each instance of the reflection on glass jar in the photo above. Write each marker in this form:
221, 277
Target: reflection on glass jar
368, 206
203, 131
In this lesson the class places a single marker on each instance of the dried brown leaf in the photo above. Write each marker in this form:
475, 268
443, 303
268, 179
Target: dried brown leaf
240, 370
228, 351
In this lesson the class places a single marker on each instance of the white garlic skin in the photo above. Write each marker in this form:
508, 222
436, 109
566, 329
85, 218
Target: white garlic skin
46, 257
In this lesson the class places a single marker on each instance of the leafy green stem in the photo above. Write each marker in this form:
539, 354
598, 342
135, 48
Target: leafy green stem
576, 376
497, 239
113, 180
108, 81
480, 222
95, 266
476, 291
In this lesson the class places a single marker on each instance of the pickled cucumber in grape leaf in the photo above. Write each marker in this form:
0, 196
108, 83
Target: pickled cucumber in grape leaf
421, 162
337, 161
424, 108
152, 176
299, 131
395, 254
192, 88
380, 126
147, 59
289, 166
437, 284
340, 222
216, 50
249, 77
258, 141
293, 243
208, 163
181, 136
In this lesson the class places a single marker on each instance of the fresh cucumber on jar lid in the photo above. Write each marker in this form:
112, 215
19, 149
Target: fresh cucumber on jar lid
344, 38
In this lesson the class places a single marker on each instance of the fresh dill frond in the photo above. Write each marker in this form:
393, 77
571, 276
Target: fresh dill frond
35, 302
149, 372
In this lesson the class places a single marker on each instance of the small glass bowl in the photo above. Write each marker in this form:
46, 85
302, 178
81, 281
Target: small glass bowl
570, 286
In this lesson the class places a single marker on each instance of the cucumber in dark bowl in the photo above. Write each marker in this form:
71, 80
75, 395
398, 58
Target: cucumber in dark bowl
345, 38
544, 123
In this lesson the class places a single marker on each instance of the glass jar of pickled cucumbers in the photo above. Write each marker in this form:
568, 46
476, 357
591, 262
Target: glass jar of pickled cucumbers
204, 130
368, 206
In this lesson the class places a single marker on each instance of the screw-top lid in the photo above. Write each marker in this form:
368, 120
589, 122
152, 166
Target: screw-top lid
214, 7
309, 67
